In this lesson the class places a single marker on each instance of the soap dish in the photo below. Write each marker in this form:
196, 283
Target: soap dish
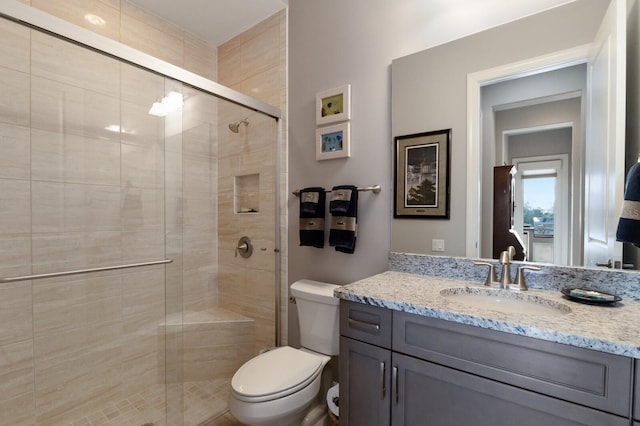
591, 297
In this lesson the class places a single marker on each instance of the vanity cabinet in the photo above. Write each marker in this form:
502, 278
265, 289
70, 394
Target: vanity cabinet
365, 365
437, 372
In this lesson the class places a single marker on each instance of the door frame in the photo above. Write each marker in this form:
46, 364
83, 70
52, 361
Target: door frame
562, 248
475, 82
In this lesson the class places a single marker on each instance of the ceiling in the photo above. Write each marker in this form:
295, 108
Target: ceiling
214, 21
218, 21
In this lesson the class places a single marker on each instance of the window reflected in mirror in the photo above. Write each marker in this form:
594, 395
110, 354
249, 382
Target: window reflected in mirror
542, 211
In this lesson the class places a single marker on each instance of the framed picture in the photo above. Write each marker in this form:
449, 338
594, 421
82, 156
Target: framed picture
333, 105
333, 141
422, 175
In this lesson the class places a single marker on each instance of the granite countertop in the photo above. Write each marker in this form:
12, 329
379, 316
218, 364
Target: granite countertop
605, 328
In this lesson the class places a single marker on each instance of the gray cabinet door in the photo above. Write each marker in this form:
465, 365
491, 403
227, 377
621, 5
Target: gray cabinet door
434, 395
586, 377
365, 380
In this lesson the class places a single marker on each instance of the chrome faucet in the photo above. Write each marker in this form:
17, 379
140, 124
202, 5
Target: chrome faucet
505, 276
505, 260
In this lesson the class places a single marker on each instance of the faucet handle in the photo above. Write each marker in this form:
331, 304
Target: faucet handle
520, 281
491, 276
507, 255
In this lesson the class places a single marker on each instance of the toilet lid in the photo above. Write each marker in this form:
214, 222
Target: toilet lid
276, 373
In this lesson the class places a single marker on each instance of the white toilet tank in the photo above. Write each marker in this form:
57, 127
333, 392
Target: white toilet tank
318, 314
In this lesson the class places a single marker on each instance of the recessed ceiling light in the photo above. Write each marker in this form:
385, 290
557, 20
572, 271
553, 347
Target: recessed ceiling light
94, 19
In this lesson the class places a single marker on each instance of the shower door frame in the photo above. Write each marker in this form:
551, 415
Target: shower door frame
19, 12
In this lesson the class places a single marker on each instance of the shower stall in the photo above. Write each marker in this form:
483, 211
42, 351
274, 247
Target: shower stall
124, 299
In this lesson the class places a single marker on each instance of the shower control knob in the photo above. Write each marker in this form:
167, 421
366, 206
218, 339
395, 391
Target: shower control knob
244, 247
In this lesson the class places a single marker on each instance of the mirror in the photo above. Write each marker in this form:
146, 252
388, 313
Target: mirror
432, 90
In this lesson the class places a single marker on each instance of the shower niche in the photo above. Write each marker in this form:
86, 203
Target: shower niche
246, 197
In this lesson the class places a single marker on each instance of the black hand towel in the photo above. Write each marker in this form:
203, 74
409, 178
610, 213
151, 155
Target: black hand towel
344, 218
312, 211
629, 224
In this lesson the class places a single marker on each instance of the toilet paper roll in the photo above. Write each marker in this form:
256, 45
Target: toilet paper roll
333, 399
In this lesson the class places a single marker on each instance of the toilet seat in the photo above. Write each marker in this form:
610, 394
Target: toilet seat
276, 374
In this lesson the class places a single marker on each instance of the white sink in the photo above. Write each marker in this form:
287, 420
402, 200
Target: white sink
508, 301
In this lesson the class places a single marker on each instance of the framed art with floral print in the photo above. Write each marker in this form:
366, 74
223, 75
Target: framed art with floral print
333, 141
334, 105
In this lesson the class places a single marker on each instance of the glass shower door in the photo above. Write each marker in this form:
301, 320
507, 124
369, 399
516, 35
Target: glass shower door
89, 178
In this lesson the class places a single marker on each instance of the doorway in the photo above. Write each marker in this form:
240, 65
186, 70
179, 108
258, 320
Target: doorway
542, 206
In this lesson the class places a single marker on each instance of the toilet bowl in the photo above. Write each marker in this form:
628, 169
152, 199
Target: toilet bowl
279, 386
276, 387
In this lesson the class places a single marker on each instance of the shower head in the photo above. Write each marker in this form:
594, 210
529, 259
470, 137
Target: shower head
235, 127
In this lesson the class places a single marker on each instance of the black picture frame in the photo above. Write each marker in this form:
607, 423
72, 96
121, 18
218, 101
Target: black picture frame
422, 175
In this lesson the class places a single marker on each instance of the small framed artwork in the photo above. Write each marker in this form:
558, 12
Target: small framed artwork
422, 172
333, 141
333, 105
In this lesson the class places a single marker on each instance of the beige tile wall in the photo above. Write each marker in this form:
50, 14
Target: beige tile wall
246, 285
93, 340
94, 198
76, 195
134, 27
141, 156
255, 63
17, 388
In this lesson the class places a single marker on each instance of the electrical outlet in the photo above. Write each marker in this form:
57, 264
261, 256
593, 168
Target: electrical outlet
437, 245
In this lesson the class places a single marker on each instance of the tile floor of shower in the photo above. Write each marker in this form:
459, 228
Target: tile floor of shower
205, 404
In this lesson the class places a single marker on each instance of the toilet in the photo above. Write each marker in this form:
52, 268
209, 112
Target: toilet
279, 386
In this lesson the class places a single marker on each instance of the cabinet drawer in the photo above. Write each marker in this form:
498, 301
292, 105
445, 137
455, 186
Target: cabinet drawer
366, 323
583, 376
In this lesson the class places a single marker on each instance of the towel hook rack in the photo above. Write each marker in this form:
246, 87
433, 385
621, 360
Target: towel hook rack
374, 188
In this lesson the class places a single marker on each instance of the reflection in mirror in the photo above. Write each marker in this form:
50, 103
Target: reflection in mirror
603, 149
535, 124
440, 87
542, 207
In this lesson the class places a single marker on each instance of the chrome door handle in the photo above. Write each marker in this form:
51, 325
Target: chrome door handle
364, 324
394, 379
611, 264
383, 387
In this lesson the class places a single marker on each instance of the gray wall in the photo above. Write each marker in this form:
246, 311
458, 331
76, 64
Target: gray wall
545, 142
336, 42
430, 93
